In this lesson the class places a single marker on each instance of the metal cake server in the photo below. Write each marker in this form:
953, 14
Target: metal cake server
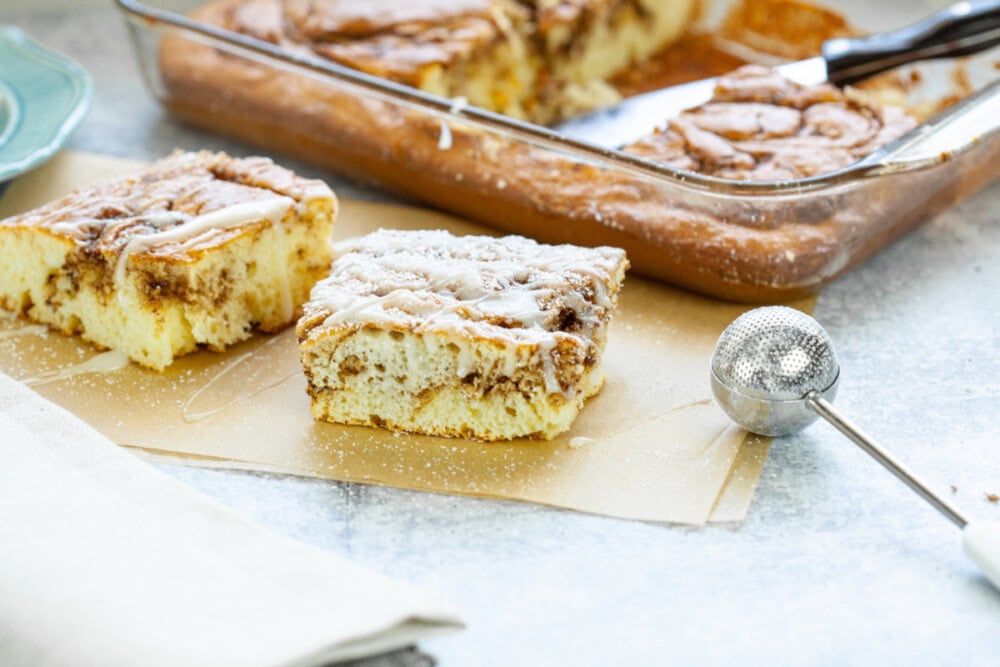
960, 29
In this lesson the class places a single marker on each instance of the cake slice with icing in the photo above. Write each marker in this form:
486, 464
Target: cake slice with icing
479, 337
197, 250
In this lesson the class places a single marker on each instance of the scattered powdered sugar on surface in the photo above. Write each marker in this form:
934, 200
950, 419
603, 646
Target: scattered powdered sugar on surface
576, 442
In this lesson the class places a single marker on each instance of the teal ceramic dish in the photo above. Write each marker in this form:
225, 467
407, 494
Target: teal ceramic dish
43, 97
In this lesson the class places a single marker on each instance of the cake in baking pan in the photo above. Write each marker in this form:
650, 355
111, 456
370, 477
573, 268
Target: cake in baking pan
474, 336
196, 250
538, 60
759, 126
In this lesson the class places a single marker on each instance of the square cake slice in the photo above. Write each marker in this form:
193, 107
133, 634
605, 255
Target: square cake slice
478, 337
196, 250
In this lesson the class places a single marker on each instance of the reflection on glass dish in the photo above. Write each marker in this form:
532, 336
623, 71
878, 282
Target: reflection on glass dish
43, 97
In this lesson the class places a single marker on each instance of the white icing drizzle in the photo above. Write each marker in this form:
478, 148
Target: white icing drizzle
159, 219
191, 417
156, 219
548, 368
169, 191
579, 441
467, 360
445, 140
105, 362
512, 290
189, 233
26, 330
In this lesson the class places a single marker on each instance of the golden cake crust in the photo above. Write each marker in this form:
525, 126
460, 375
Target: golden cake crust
398, 39
103, 217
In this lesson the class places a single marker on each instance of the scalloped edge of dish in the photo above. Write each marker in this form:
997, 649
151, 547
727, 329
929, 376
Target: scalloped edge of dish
54, 126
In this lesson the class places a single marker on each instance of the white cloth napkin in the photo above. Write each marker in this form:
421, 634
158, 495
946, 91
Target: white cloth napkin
106, 561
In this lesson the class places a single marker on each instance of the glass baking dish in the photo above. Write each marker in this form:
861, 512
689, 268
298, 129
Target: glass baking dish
744, 241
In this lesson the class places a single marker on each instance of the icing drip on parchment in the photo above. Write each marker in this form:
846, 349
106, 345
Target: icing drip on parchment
105, 362
264, 362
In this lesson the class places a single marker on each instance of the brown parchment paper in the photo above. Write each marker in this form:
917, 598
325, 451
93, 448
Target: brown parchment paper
651, 446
